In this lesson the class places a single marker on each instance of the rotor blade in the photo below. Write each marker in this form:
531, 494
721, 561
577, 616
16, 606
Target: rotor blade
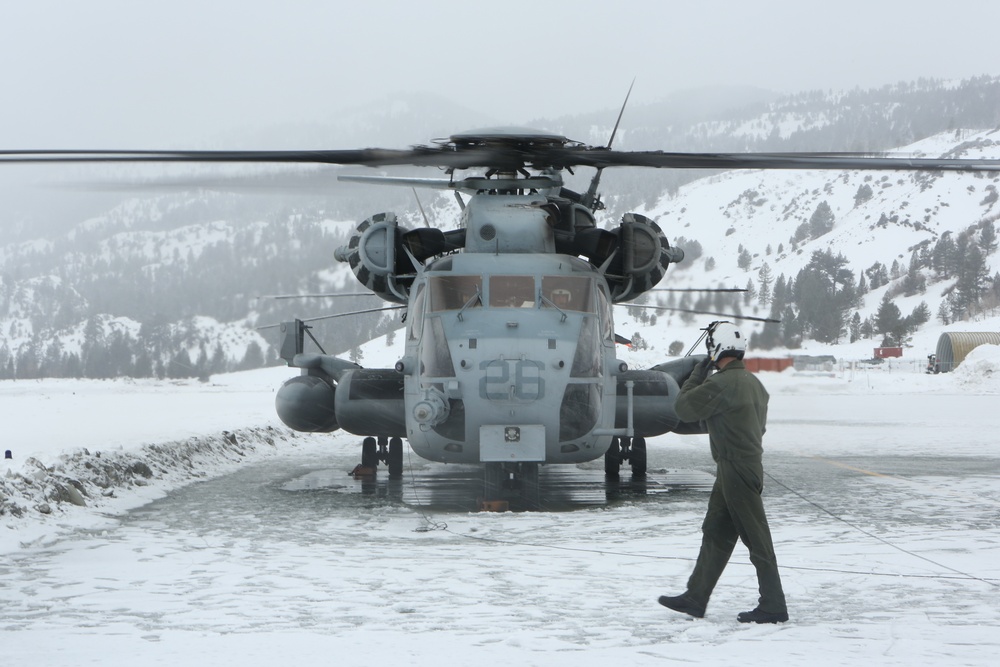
697, 289
330, 317
431, 183
426, 156
513, 157
601, 158
704, 312
312, 181
340, 295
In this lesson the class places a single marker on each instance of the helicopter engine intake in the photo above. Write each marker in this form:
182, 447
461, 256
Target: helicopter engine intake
376, 257
642, 257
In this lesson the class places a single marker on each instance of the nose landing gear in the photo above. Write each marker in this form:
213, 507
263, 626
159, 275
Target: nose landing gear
632, 450
386, 450
503, 482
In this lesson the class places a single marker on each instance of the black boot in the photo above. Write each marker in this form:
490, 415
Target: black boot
683, 604
758, 616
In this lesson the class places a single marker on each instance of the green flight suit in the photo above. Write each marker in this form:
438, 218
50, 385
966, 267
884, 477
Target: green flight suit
733, 403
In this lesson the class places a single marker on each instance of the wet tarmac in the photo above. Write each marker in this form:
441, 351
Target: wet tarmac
460, 488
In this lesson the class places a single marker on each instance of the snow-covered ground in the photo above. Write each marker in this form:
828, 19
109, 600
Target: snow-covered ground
883, 501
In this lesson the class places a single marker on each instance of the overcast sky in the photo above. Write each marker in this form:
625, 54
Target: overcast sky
122, 73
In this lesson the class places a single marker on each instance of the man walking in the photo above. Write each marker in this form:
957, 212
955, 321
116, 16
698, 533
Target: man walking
734, 404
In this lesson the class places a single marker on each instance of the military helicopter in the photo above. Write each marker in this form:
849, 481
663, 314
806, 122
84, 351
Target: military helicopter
510, 352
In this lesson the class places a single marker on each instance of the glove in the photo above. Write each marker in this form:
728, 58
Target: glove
700, 371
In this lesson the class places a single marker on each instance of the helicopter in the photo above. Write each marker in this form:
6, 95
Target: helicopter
510, 358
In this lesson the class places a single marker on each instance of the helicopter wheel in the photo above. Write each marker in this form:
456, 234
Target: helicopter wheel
530, 496
612, 459
395, 462
369, 453
638, 457
493, 478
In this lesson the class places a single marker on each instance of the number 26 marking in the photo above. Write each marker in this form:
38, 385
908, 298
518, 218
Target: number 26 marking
496, 385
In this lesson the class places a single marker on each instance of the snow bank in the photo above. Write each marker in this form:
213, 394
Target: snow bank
82, 485
82, 449
980, 370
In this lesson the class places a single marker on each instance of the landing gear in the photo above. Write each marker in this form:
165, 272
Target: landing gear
613, 458
632, 450
506, 482
494, 477
394, 460
637, 457
530, 490
369, 453
386, 450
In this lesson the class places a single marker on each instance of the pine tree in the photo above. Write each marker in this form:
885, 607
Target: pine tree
791, 334
750, 293
766, 277
855, 327
822, 220
944, 312
889, 322
921, 315
973, 276
942, 257
988, 237
253, 358
868, 327
180, 366
914, 281
744, 259
863, 194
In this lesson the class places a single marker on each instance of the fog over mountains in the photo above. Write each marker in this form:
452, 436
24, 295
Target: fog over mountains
101, 283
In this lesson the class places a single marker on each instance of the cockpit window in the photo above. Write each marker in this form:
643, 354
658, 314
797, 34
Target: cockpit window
453, 292
512, 292
569, 293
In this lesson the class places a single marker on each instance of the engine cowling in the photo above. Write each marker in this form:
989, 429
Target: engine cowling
643, 255
370, 401
376, 256
654, 393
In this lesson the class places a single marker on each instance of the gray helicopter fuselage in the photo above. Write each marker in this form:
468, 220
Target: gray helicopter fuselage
510, 350
509, 357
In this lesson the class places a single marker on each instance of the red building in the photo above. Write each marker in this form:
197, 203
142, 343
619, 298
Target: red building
757, 365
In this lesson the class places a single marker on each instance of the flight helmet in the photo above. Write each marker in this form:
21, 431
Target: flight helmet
725, 340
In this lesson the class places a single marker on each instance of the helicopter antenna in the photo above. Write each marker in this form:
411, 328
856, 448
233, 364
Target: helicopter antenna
590, 199
427, 223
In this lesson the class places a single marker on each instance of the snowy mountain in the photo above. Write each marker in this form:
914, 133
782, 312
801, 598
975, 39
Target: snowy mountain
879, 219
171, 281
